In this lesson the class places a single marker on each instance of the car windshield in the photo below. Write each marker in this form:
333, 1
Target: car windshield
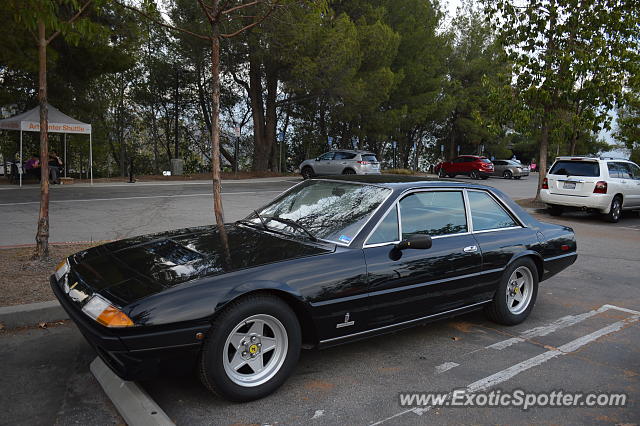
576, 168
328, 210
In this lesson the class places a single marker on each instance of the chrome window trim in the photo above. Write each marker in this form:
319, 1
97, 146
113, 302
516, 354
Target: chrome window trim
384, 216
504, 206
396, 204
498, 229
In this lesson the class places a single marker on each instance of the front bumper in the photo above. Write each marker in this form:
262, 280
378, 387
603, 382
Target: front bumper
138, 353
600, 202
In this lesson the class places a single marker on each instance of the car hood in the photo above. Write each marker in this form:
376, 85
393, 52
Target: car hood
134, 268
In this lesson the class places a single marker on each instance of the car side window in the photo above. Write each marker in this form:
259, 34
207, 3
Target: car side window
433, 213
487, 214
635, 171
614, 171
344, 156
624, 170
458, 160
326, 156
387, 230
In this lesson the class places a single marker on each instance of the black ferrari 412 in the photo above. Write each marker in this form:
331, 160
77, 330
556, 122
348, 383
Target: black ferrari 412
327, 262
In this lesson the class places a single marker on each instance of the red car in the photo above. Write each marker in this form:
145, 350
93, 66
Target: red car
471, 165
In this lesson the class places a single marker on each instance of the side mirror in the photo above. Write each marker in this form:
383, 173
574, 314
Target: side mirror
419, 242
317, 158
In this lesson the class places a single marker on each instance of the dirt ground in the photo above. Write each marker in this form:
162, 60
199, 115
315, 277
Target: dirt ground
23, 280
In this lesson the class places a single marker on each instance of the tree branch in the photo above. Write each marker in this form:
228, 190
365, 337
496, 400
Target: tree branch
207, 12
251, 25
70, 21
162, 23
242, 6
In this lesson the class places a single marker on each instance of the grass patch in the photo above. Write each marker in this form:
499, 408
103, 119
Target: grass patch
23, 280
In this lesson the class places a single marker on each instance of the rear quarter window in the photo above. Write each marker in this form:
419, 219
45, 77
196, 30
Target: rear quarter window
576, 168
369, 157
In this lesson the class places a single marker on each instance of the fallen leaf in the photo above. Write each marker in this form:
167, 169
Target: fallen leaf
42, 325
455, 338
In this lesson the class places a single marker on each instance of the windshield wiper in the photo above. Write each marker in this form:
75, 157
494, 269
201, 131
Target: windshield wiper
264, 224
294, 224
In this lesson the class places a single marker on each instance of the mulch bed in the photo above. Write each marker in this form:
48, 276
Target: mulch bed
531, 203
23, 280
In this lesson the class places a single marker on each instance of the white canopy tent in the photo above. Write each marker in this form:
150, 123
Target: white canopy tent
58, 123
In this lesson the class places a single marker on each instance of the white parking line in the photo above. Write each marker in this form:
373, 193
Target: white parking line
514, 370
446, 367
563, 322
139, 198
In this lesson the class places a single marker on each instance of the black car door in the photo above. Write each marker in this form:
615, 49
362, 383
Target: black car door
416, 283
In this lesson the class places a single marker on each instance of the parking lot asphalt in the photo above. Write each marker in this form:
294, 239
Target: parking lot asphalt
576, 340
120, 210
572, 342
115, 211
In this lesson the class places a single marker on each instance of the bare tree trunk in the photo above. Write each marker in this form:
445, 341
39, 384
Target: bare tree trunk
215, 123
262, 150
544, 147
271, 117
42, 235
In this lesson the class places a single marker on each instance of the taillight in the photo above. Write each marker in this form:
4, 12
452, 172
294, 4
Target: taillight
601, 187
364, 163
545, 183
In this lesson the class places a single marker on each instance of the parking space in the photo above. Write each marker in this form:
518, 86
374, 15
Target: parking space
583, 336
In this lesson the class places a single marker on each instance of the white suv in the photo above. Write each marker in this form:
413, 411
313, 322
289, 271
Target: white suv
604, 185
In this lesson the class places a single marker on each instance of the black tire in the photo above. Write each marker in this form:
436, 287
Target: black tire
497, 310
484, 177
348, 172
474, 174
615, 211
507, 174
210, 366
555, 210
307, 172
451, 175
442, 173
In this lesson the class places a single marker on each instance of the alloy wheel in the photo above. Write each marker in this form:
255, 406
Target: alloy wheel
519, 290
255, 350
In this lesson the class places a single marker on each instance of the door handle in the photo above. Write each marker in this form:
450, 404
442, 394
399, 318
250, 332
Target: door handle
470, 249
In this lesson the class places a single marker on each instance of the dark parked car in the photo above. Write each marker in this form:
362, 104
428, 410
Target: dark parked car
328, 262
470, 165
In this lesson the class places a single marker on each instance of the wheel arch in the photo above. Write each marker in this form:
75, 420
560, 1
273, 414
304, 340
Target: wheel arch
286, 294
349, 168
533, 255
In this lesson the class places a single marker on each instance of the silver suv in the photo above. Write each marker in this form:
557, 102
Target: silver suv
341, 162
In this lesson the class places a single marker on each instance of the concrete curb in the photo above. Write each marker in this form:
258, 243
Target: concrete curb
32, 314
132, 402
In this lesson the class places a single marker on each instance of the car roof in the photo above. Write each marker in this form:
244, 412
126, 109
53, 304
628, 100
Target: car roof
403, 181
352, 151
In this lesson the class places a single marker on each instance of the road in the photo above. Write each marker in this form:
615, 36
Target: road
582, 336
115, 211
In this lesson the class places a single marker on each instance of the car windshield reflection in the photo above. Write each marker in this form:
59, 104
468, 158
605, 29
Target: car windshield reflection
327, 210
